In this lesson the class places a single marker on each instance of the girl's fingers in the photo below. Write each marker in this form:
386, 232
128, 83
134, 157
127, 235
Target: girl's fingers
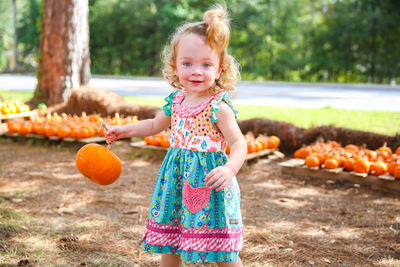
222, 186
217, 183
209, 176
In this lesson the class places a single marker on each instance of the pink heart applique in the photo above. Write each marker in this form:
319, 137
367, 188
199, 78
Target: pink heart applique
195, 198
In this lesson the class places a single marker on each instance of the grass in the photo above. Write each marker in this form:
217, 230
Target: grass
10, 95
382, 122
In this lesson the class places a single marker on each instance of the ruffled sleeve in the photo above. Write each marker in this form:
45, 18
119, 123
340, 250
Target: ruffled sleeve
215, 108
168, 107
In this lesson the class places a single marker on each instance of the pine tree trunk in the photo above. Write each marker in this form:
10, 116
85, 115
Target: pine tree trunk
64, 62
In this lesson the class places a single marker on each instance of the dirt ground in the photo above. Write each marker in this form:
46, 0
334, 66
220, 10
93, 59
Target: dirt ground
50, 215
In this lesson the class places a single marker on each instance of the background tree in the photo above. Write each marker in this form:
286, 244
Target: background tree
64, 62
303, 40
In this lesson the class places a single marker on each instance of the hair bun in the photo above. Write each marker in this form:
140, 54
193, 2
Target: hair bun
217, 22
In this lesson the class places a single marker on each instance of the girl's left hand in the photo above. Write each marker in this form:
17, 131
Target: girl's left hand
219, 177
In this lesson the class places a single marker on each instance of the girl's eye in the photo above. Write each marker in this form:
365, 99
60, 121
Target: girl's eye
207, 65
186, 64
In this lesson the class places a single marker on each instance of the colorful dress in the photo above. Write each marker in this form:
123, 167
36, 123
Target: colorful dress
186, 217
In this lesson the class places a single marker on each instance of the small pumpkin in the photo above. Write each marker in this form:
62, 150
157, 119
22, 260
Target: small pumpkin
331, 163
361, 165
273, 142
99, 164
378, 168
348, 164
165, 142
312, 161
391, 166
302, 152
396, 172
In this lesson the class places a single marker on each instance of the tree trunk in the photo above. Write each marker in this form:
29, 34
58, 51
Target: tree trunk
64, 62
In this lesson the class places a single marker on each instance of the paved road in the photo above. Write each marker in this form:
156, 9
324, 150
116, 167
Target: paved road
313, 95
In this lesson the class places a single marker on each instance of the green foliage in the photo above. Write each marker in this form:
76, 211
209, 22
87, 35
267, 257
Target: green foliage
6, 33
317, 40
29, 27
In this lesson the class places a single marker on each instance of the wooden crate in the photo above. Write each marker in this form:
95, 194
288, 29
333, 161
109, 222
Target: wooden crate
18, 115
95, 139
272, 152
297, 167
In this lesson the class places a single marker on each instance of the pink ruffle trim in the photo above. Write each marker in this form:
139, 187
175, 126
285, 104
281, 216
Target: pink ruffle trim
201, 240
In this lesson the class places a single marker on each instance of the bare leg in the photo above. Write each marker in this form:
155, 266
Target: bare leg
236, 263
169, 260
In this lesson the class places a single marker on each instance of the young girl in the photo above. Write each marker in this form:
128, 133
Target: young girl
195, 208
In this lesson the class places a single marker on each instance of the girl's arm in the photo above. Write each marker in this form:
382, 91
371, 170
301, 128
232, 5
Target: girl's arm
227, 124
141, 128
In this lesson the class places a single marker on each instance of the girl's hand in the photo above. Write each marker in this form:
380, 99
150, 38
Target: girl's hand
219, 177
113, 133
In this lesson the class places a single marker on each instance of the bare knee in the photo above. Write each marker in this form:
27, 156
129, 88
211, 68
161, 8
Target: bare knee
169, 260
237, 263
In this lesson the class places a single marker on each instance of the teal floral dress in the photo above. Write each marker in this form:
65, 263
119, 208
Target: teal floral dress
186, 217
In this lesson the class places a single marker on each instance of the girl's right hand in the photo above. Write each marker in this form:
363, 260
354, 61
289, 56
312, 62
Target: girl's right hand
113, 133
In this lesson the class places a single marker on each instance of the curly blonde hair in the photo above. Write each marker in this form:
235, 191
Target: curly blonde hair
215, 30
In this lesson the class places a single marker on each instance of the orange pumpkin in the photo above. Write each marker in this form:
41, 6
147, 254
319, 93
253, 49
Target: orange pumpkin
165, 142
273, 142
378, 168
98, 164
14, 126
148, 140
392, 166
348, 164
258, 145
398, 151
385, 148
63, 131
331, 163
227, 149
361, 165
396, 172
26, 128
302, 152
312, 161
251, 146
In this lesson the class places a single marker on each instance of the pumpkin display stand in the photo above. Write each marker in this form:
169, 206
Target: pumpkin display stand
18, 115
297, 167
96, 139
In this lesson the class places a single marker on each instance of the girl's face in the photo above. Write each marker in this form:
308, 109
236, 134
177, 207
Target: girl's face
197, 64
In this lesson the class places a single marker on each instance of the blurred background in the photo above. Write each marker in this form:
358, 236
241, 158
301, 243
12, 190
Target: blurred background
293, 40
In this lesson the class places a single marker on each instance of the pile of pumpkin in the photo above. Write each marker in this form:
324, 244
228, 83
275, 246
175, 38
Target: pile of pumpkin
254, 144
12, 107
65, 126
260, 143
161, 139
331, 155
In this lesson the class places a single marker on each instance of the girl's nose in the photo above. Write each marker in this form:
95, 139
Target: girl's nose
196, 71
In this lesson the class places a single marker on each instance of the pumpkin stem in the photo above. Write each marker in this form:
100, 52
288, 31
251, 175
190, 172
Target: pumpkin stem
103, 124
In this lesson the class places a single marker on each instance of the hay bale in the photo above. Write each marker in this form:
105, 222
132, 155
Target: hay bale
293, 137
101, 101
348, 136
